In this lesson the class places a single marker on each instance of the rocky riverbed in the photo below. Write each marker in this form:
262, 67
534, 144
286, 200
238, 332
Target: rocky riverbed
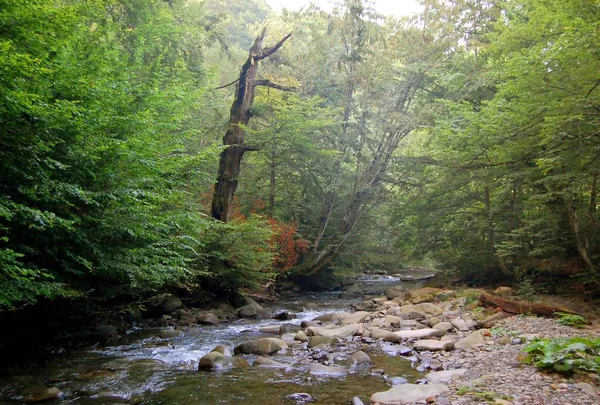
419, 346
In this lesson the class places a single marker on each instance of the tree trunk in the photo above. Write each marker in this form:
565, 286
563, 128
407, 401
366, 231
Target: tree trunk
239, 116
519, 307
580, 242
492, 235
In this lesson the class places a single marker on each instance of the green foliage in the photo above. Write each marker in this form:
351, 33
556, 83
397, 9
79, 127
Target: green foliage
526, 289
564, 355
238, 255
576, 321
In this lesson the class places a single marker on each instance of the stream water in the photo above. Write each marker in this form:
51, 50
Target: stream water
146, 369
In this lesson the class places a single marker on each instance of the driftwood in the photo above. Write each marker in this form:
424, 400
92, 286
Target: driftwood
520, 307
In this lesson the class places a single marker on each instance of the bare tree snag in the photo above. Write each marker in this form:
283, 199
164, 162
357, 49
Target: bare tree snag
519, 307
239, 116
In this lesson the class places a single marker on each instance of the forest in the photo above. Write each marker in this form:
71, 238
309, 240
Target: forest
463, 139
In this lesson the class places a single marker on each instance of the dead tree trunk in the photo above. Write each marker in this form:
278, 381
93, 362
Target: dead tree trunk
240, 114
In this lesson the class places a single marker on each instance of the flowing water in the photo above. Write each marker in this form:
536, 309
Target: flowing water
146, 369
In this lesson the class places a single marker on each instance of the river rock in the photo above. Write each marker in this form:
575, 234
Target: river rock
301, 336
503, 292
393, 381
106, 331
388, 336
344, 331
207, 318
169, 333
407, 393
587, 388
322, 340
471, 340
356, 401
445, 326
272, 329
460, 324
320, 369
433, 345
445, 295
393, 320
261, 346
445, 375
39, 394
361, 357
249, 311
357, 317
423, 309
396, 292
284, 316
424, 291
434, 320
214, 361
264, 313
351, 294
170, 304
265, 361
423, 298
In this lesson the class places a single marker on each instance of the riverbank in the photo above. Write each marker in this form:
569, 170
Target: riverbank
425, 344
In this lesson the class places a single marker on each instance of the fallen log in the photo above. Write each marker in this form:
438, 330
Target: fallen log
520, 307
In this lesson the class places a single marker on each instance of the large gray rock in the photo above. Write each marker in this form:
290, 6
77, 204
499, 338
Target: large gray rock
267, 362
433, 345
106, 331
408, 393
39, 394
301, 336
445, 375
261, 346
344, 331
207, 318
361, 357
471, 341
249, 311
349, 319
388, 336
170, 304
322, 340
445, 326
320, 369
396, 292
426, 308
214, 361
169, 333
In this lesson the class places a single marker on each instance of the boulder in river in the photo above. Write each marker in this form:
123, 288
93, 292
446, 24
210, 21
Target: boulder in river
360, 357
322, 340
408, 393
284, 316
396, 292
249, 311
261, 346
39, 394
344, 331
207, 318
265, 361
320, 369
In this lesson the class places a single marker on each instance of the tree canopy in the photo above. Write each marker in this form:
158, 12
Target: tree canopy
465, 137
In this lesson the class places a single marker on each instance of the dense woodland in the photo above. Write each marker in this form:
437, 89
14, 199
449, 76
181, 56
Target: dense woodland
465, 138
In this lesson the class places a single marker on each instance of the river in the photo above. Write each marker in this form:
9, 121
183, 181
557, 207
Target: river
144, 369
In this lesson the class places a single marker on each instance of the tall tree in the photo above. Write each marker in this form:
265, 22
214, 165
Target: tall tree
239, 117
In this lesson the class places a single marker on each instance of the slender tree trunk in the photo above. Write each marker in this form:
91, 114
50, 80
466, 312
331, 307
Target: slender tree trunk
239, 116
492, 234
580, 242
272, 186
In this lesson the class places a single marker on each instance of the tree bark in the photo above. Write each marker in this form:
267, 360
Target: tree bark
239, 116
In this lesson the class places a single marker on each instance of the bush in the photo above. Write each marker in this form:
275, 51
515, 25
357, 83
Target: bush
564, 355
